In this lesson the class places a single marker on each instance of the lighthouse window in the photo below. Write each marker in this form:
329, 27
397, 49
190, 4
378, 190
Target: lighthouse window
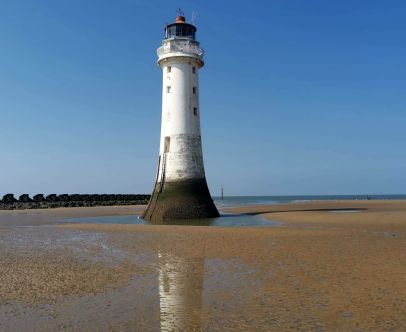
169, 69
167, 144
194, 90
168, 89
193, 70
195, 110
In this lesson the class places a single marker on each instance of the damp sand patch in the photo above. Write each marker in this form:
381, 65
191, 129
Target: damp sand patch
44, 277
225, 220
43, 264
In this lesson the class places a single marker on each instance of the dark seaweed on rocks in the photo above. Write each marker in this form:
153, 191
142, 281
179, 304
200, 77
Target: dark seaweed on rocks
39, 201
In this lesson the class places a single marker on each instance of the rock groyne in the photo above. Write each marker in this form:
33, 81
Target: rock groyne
40, 201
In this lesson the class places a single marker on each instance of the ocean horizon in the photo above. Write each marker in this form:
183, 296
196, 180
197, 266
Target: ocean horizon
282, 199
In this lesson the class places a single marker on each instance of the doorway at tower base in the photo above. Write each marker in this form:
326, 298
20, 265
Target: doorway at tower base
187, 199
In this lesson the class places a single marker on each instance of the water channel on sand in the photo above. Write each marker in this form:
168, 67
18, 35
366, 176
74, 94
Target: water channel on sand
225, 220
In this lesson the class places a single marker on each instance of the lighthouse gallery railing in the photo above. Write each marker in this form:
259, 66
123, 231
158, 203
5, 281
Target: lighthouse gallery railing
183, 47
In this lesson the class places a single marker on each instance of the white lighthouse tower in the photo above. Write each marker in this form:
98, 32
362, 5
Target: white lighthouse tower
181, 190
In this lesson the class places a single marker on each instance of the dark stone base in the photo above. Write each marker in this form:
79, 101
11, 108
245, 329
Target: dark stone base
188, 199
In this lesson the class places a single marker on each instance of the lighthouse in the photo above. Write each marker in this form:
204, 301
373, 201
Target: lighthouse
181, 190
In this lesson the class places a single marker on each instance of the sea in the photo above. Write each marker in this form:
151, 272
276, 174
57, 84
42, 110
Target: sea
230, 201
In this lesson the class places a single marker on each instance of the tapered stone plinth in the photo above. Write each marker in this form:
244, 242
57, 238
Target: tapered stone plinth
187, 199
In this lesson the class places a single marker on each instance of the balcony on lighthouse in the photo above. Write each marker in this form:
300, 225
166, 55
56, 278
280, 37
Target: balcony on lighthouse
180, 37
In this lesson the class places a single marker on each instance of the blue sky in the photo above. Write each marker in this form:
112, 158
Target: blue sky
297, 97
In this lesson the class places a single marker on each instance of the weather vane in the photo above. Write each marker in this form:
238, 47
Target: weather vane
180, 12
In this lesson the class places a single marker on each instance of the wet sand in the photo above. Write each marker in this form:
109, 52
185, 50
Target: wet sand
318, 271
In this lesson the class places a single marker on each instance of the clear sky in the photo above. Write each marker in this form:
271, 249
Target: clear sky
297, 97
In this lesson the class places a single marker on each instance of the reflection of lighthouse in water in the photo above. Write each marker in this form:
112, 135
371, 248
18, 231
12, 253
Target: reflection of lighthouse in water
181, 190
180, 293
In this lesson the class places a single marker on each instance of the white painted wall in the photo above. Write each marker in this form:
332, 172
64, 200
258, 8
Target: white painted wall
184, 159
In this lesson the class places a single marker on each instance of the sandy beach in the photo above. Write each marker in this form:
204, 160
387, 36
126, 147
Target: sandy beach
328, 266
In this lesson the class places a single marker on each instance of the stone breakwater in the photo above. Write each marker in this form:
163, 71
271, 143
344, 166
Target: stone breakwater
39, 201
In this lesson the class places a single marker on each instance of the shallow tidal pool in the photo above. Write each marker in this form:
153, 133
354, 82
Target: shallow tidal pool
225, 220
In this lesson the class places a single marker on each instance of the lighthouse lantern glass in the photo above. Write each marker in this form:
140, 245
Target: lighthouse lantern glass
181, 30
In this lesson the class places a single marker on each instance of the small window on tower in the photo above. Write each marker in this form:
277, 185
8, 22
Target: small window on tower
168, 89
195, 110
167, 144
193, 70
169, 69
194, 90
